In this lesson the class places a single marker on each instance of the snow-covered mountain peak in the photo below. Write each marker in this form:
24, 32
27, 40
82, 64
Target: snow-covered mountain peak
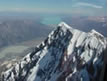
98, 36
63, 24
93, 31
67, 54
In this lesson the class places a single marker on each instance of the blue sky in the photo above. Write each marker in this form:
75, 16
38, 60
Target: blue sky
79, 7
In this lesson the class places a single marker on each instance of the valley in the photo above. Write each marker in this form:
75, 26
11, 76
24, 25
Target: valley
9, 55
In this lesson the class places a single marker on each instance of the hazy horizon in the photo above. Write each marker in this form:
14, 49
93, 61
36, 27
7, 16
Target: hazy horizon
53, 7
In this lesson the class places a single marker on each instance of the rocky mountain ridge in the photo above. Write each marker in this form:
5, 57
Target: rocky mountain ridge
67, 54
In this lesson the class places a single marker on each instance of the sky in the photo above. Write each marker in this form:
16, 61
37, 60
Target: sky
74, 7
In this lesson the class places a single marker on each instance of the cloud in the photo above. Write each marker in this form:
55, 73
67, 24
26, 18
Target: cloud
83, 4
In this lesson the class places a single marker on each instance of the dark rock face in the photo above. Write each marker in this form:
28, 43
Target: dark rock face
67, 54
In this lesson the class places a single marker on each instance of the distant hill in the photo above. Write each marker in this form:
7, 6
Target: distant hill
15, 31
98, 23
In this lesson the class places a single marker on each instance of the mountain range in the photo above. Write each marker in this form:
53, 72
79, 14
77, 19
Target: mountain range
67, 54
17, 31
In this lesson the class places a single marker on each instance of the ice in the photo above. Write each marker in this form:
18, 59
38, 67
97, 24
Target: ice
73, 41
95, 32
94, 42
81, 39
74, 59
63, 24
32, 76
86, 56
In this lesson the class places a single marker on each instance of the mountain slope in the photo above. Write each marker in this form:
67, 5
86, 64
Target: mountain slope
17, 31
67, 54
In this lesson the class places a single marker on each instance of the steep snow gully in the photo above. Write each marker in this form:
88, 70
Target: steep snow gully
67, 54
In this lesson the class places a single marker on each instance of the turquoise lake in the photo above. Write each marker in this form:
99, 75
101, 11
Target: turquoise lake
51, 20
